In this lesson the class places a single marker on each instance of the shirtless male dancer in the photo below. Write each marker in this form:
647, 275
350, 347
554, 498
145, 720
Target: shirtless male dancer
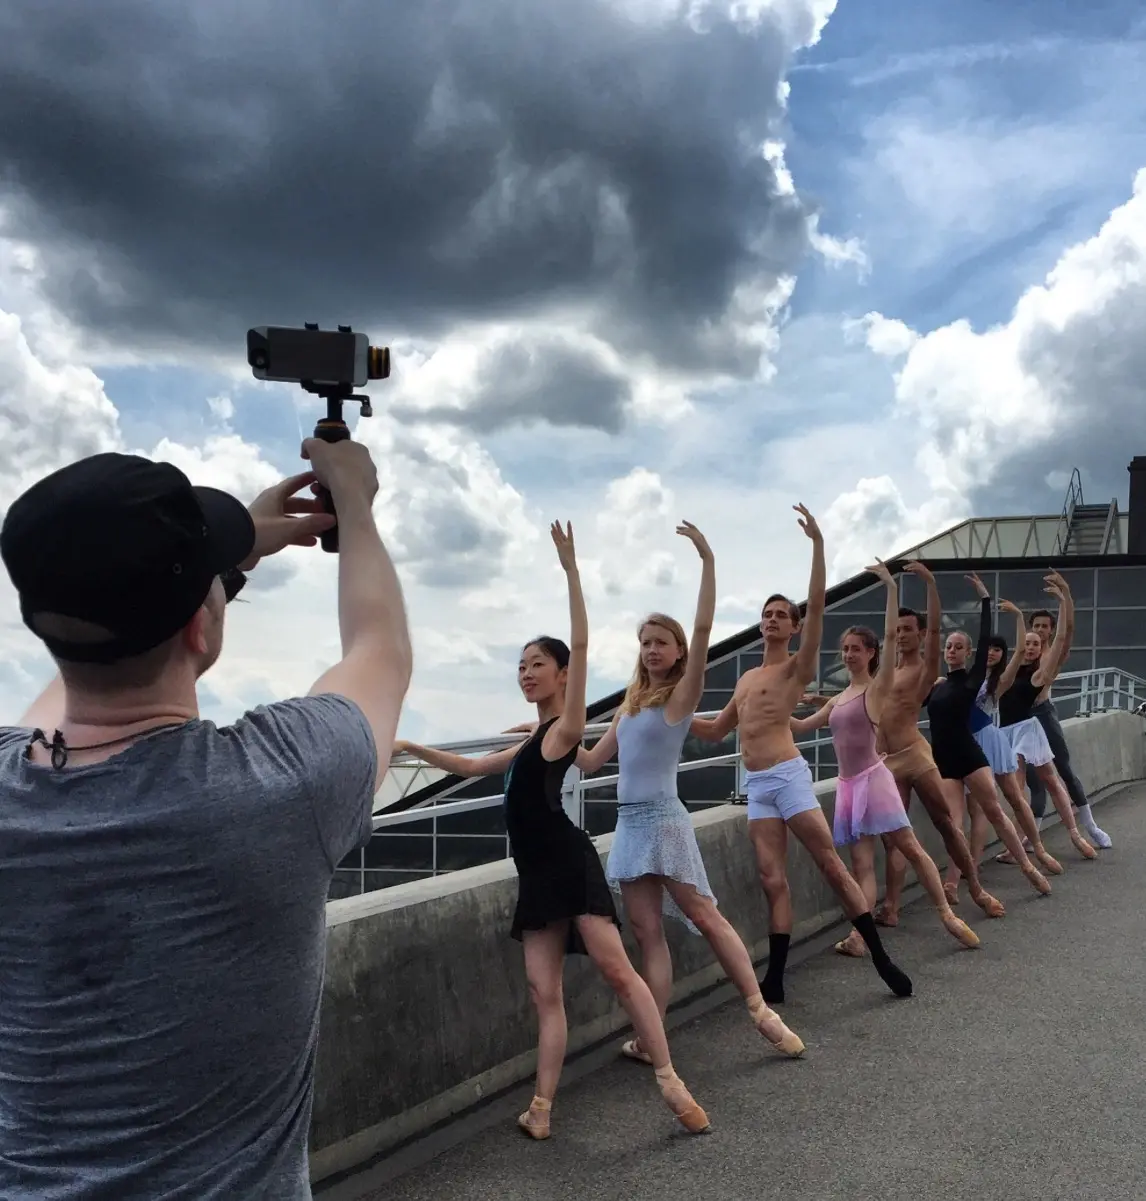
1043, 623
908, 754
780, 790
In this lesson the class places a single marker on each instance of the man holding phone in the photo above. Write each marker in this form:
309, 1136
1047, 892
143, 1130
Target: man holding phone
164, 881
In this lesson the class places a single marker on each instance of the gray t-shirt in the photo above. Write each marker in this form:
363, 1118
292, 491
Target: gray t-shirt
162, 948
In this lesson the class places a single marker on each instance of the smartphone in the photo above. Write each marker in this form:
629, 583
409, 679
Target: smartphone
316, 356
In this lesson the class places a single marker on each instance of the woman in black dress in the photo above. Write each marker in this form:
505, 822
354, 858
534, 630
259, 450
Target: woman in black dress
564, 903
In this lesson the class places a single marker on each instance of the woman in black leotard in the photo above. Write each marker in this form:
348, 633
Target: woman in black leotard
564, 903
958, 756
1022, 681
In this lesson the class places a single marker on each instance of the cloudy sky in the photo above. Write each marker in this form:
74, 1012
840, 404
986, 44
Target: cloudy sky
638, 261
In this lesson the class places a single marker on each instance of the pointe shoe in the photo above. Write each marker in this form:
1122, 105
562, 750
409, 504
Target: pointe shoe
769, 1023
990, 905
883, 916
1082, 846
1049, 862
852, 947
535, 1120
951, 892
632, 1050
1037, 880
958, 928
686, 1111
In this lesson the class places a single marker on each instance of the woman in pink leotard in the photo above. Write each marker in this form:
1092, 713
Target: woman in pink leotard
868, 804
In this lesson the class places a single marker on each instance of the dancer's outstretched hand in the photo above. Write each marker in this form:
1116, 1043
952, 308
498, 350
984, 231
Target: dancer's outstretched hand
808, 523
919, 568
1057, 581
1055, 591
687, 530
1006, 606
563, 540
880, 570
978, 585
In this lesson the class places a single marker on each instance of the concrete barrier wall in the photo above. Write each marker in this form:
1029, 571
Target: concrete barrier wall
426, 1010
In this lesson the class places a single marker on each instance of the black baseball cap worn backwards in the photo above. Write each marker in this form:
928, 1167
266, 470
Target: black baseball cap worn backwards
124, 543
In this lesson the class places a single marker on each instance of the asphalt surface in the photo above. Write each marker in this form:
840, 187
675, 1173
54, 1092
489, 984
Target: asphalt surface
1016, 1071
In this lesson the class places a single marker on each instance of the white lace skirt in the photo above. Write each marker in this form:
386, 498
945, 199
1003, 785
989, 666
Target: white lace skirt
656, 838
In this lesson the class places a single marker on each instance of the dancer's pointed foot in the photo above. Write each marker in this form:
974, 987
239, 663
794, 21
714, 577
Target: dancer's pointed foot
1082, 846
885, 916
852, 946
895, 978
951, 892
686, 1111
535, 1120
769, 1023
633, 1050
1048, 861
1036, 879
1006, 857
958, 928
990, 905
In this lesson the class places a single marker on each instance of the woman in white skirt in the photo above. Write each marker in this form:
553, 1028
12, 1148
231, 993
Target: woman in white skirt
1022, 680
996, 745
654, 861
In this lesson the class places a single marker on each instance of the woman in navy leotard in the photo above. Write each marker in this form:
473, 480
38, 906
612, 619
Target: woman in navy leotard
960, 759
564, 903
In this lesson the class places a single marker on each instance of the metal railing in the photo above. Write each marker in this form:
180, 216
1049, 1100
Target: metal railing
1094, 691
1073, 500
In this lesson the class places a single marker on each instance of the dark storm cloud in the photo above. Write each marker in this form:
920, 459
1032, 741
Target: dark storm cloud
1092, 369
532, 381
187, 170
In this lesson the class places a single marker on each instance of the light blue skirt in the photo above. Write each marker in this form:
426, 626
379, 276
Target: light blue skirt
997, 747
656, 838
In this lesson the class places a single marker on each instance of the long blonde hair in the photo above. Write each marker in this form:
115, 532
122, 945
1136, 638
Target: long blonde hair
641, 693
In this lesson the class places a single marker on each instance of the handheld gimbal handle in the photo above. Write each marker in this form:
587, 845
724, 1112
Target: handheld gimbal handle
330, 430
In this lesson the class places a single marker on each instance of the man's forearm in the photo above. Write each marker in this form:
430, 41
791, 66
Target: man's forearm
370, 602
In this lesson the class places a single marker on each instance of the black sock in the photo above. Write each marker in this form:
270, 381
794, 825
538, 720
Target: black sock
772, 986
899, 982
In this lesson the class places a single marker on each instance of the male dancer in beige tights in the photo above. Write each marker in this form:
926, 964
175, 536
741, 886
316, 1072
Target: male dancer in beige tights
909, 755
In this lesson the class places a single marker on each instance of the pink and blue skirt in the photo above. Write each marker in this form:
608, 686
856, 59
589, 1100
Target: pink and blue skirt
867, 805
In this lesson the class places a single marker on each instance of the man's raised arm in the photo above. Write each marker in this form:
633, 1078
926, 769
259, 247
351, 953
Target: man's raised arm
377, 661
812, 632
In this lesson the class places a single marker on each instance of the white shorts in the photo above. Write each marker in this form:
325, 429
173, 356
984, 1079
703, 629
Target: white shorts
783, 791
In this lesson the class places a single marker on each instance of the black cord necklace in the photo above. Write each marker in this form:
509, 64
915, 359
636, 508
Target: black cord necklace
60, 750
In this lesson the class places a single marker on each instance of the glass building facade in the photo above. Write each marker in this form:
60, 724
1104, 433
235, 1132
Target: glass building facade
1110, 600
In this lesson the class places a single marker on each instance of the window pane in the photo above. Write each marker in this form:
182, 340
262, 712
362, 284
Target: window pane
353, 860
707, 784
749, 660
454, 854
1012, 537
1025, 589
833, 674
1081, 584
870, 600
400, 850
599, 818
1132, 661
388, 879
695, 748
344, 884
1121, 586
722, 675
835, 624
1121, 627
715, 701
477, 821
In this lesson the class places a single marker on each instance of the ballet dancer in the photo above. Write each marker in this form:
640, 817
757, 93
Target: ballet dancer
997, 748
655, 861
1023, 680
781, 795
958, 755
867, 800
1043, 623
908, 756
563, 903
